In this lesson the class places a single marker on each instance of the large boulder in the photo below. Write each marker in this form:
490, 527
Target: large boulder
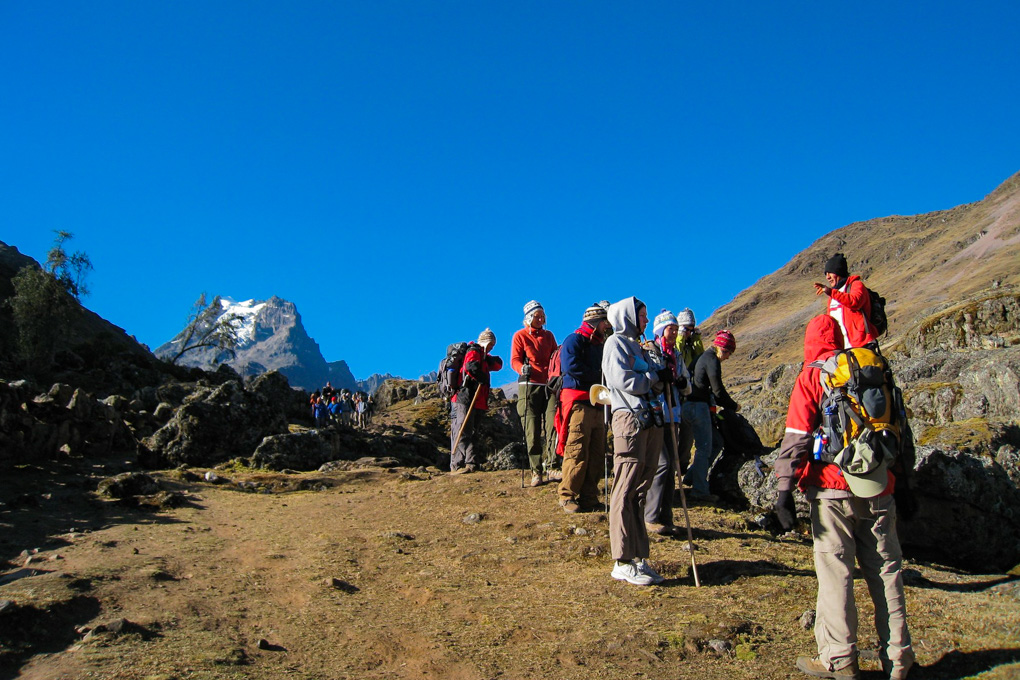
968, 508
295, 451
217, 424
968, 511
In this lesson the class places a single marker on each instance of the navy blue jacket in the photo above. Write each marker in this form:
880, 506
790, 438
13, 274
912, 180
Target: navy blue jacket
580, 362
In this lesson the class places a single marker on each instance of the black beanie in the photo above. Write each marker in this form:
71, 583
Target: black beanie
837, 265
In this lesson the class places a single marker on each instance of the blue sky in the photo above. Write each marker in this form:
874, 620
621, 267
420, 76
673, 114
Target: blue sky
409, 173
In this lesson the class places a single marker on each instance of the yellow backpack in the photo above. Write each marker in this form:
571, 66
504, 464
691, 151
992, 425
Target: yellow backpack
861, 400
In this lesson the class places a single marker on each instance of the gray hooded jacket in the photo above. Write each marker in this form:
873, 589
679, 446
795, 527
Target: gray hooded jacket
624, 362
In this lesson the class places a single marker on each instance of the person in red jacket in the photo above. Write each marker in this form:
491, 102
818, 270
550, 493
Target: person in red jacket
531, 350
849, 303
478, 363
845, 526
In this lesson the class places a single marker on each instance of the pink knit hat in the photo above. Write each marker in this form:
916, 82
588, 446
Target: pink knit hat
725, 340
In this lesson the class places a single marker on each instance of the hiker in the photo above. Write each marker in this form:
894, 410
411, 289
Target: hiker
530, 352
659, 499
319, 412
580, 424
849, 303
845, 524
688, 341
707, 394
475, 388
328, 391
637, 439
360, 407
690, 347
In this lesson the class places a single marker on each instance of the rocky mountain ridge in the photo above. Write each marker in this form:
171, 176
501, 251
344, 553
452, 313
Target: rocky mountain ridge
272, 337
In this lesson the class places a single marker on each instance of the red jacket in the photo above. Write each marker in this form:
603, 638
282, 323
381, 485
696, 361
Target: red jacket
794, 464
538, 346
478, 365
850, 306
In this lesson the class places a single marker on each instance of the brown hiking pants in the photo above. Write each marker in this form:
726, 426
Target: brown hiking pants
584, 455
865, 529
635, 457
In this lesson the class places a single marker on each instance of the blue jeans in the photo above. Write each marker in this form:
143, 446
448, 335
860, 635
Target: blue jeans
707, 444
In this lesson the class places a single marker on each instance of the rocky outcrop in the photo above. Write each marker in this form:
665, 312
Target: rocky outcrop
395, 390
311, 449
215, 424
62, 422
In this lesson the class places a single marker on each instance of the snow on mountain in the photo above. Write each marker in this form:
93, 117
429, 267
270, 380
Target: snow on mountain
272, 337
247, 311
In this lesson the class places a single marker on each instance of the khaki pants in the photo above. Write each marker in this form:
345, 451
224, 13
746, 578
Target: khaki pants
538, 411
865, 529
584, 455
635, 456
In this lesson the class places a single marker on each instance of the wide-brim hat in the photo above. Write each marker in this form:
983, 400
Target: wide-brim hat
868, 485
599, 395
866, 471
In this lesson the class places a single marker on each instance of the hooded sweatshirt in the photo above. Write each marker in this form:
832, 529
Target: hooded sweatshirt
624, 361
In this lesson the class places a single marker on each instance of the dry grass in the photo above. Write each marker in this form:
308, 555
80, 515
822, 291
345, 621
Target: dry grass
380, 577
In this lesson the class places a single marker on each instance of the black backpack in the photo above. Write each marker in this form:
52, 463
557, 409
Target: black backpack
878, 318
449, 369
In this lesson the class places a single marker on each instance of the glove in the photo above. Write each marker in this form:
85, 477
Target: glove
526, 371
786, 511
681, 383
906, 502
665, 375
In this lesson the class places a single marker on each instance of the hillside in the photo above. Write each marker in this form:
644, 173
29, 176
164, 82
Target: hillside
922, 264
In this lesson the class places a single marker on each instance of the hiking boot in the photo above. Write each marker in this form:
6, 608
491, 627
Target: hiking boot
658, 529
646, 569
464, 470
813, 666
593, 506
570, 506
536, 479
554, 475
628, 571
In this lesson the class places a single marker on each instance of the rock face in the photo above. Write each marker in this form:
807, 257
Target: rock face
216, 424
272, 337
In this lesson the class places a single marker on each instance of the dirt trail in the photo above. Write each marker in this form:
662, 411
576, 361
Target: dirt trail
381, 577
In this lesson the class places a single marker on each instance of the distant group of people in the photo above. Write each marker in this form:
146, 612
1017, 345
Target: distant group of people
341, 406
665, 398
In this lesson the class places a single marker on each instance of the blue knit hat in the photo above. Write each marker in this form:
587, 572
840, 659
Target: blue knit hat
664, 319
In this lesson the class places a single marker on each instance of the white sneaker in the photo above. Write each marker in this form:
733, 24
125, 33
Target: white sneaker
628, 571
646, 569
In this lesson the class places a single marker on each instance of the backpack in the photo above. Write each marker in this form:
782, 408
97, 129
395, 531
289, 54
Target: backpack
878, 317
449, 369
862, 406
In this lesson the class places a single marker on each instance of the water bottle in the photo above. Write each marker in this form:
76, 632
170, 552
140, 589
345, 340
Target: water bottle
819, 446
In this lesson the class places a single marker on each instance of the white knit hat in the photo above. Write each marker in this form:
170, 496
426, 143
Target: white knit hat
685, 317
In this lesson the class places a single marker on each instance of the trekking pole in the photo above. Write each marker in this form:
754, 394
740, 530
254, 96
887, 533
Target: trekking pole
524, 421
471, 409
605, 464
683, 496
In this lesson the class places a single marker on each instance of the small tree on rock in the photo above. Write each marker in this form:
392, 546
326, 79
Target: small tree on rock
45, 302
208, 328
69, 270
